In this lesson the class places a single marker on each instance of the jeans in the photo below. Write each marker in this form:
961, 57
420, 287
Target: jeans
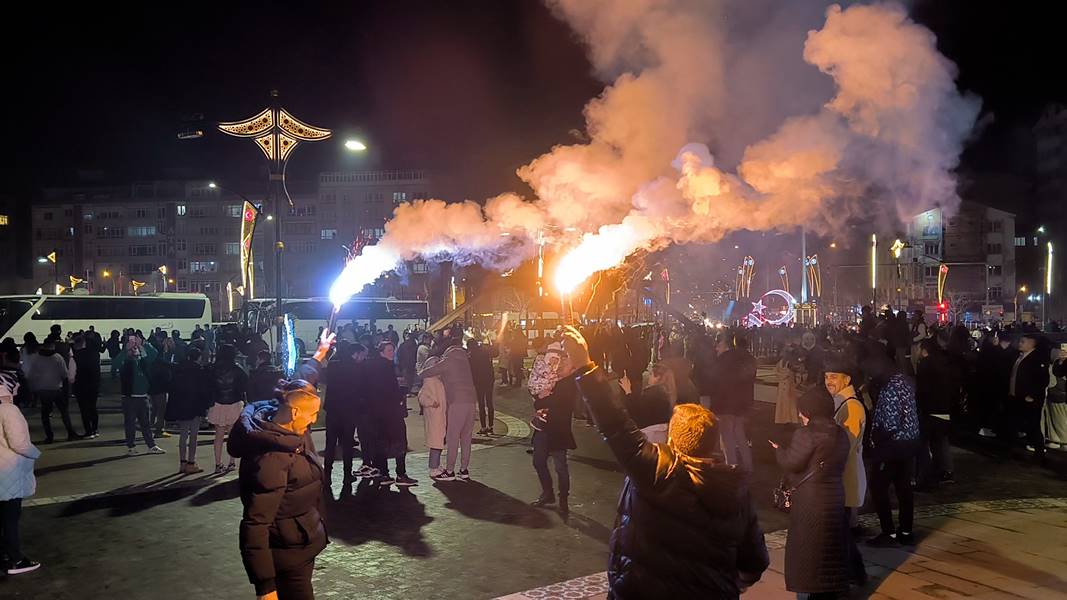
896, 472
339, 430
87, 407
541, 455
435, 459
10, 513
735, 441
458, 434
935, 456
486, 412
159, 412
187, 431
294, 583
135, 411
58, 399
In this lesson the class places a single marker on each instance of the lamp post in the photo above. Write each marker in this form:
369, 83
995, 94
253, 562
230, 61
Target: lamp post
277, 133
1023, 290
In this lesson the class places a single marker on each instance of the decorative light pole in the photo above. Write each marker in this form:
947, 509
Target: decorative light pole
277, 133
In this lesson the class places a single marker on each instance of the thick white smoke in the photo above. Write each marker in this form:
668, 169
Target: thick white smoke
890, 130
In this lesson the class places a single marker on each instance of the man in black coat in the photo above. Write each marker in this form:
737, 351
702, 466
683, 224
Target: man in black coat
481, 357
936, 392
1027, 387
386, 410
344, 398
736, 394
406, 357
282, 528
554, 440
686, 526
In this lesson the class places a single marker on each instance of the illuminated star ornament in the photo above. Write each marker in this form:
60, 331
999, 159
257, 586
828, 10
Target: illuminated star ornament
275, 131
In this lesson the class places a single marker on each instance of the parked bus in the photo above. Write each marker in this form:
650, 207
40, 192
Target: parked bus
37, 314
309, 314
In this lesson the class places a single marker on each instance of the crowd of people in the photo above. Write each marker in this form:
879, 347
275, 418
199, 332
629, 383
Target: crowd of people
858, 409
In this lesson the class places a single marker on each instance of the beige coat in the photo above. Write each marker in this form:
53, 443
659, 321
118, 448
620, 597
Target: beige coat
434, 410
851, 416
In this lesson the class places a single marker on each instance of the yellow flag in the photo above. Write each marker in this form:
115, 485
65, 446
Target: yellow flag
52, 257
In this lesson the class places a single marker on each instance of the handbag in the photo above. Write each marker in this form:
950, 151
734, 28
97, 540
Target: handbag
783, 494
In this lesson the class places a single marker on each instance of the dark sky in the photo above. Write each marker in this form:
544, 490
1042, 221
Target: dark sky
470, 89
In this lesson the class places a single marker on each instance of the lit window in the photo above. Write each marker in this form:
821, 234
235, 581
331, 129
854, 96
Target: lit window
181, 210
234, 210
232, 248
1020, 241
327, 234
3, 220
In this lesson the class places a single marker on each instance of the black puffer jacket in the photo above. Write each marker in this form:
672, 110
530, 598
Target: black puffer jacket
229, 383
261, 382
686, 527
281, 490
816, 551
190, 392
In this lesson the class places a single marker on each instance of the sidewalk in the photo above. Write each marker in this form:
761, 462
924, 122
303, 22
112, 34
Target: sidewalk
992, 549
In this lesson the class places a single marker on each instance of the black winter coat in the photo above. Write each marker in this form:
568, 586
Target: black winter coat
281, 490
686, 527
386, 406
229, 382
816, 552
190, 392
261, 383
560, 404
937, 389
735, 383
87, 381
344, 390
482, 365
1032, 377
651, 407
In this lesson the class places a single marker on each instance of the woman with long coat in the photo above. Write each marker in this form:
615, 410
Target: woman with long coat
17, 458
434, 416
816, 552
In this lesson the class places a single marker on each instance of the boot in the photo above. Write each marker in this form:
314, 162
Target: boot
564, 508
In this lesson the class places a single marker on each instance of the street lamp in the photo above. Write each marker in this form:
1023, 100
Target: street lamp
355, 146
1022, 289
277, 133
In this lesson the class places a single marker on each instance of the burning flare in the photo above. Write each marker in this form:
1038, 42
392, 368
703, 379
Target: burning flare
602, 250
362, 271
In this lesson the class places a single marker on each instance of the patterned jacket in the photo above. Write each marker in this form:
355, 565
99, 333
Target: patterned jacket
895, 425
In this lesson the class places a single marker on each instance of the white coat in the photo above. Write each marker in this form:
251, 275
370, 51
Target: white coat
17, 454
434, 411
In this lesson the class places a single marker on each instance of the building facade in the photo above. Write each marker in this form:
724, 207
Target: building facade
977, 243
111, 236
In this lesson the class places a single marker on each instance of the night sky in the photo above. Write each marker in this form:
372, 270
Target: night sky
469, 89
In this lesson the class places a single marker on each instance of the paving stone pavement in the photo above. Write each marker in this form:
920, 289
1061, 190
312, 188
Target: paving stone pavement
116, 527
991, 549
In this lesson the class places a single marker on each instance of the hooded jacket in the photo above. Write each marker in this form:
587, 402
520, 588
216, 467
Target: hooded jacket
686, 526
281, 490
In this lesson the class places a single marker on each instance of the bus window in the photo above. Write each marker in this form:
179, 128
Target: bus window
125, 309
11, 311
316, 310
59, 309
172, 308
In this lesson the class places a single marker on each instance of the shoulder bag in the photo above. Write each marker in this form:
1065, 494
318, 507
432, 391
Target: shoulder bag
783, 494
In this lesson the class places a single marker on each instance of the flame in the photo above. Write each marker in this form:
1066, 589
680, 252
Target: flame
597, 251
361, 271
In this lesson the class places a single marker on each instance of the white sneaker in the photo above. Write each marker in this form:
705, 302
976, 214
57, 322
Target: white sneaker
156, 450
1030, 448
987, 432
131, 452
